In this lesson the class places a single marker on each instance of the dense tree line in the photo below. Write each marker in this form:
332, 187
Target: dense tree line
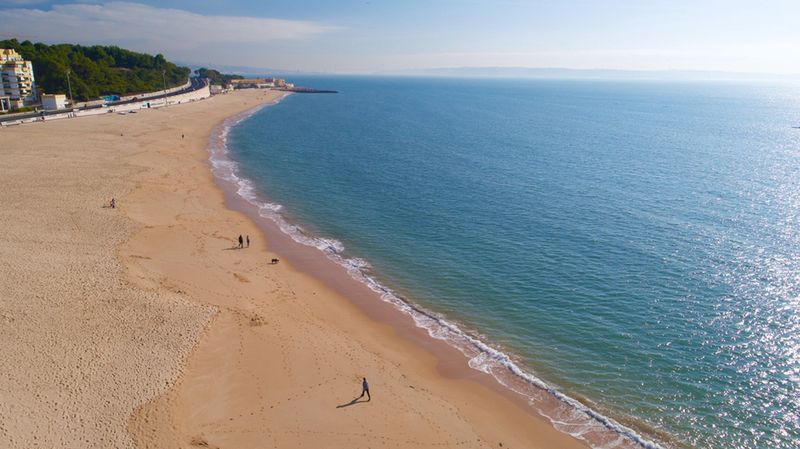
216, 77
96, 70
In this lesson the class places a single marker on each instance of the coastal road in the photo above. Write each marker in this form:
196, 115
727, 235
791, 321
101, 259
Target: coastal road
196, 84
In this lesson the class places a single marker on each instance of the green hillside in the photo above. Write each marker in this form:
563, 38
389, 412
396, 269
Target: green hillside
215, 77
96, 70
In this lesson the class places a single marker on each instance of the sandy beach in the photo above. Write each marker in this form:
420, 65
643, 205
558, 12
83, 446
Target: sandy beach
144, 327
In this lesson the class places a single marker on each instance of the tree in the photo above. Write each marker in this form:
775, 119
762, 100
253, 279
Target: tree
96, 70
215, 76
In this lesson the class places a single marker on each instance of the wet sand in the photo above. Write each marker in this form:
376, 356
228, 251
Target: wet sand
142, 326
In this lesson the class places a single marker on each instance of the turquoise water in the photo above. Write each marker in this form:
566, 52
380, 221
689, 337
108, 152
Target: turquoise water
634, 245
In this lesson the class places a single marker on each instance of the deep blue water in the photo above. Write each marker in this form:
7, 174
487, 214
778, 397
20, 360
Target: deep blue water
635, 244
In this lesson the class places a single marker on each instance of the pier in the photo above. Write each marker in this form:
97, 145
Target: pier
308, 90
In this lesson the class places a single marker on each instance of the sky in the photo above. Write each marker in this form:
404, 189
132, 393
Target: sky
375, 36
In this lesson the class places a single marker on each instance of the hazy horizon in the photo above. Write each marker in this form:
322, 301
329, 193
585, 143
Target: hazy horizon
367, 37
520, 72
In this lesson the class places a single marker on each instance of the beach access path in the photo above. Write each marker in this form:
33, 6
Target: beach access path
140, 326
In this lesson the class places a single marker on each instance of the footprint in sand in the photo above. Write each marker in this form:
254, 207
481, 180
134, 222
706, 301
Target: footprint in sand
199, 441
257, 320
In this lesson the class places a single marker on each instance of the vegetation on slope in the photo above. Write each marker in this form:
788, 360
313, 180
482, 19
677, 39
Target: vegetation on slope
96, 70
216, 77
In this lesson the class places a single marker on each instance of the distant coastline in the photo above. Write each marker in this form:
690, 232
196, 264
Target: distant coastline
592, 74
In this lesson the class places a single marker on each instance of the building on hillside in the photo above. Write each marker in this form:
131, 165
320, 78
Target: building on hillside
258, 83
249, 83
16, 80
54, 102
215, 89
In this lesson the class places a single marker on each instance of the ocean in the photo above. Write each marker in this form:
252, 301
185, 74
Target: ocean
629, 248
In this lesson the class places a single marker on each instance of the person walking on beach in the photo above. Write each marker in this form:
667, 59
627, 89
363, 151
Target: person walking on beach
113, 203
365, 389
241, 241
248, 241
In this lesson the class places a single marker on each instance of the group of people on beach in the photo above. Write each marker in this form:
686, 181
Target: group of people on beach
244, 242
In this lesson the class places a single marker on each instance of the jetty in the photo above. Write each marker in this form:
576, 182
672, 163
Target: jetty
308, 90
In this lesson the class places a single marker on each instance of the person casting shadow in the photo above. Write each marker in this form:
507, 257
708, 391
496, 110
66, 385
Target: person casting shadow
364, 390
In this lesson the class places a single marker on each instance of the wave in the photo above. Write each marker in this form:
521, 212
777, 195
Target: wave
564, 412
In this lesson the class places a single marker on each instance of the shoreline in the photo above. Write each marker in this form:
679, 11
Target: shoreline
375, 341
534, 433
143, 327
456, 349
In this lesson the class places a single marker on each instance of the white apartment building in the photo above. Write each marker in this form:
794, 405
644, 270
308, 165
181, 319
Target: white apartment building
17, 87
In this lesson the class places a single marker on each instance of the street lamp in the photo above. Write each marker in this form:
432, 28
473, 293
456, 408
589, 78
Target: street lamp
70, 89
164, 77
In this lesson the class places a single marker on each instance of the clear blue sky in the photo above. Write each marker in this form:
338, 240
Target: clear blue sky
377, 36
